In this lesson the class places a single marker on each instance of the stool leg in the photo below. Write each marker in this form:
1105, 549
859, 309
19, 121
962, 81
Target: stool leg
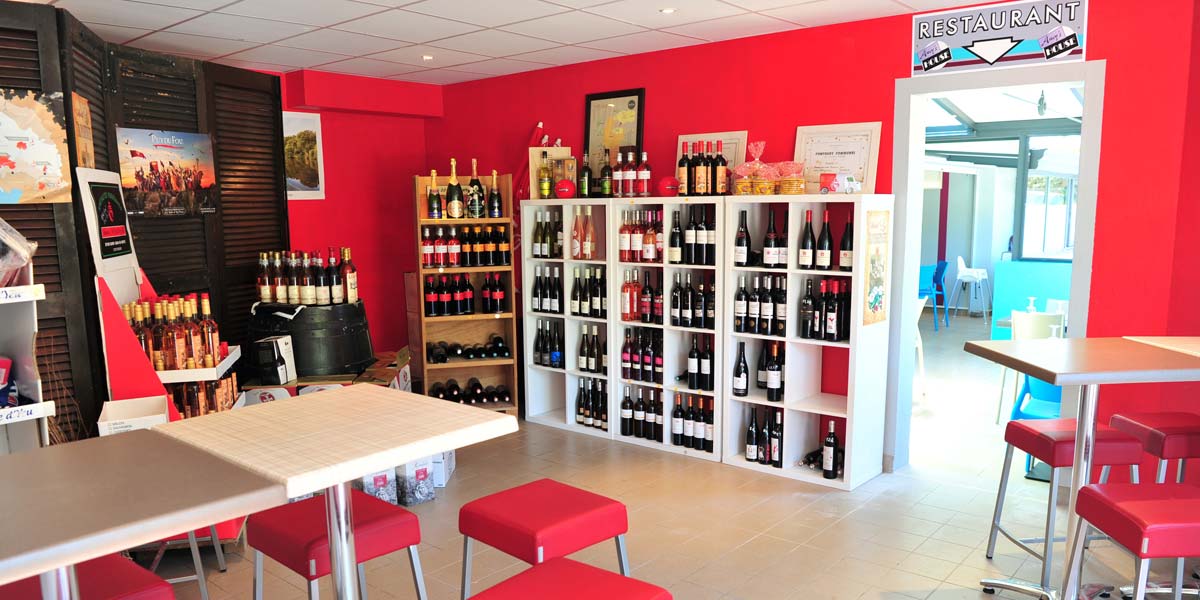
1178, 593
1105, 471
414, 559
216, 542
1134, 474
1161, 476
362, 581
1008, 454
258, 575
622, 555
1051, 512
199, 565
314, 590
1143, 571
1182, 469
466, 578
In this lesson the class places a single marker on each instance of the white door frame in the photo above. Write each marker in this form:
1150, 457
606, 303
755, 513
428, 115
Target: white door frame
907, 176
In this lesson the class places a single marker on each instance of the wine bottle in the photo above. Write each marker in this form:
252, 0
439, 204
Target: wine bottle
808, 243
658, 416
760, 380
641, 187
832, 313
629, 180
702, 241
753, 307
627, 415
584, 186
581, 400
693, 364
752, 436
777, 441
627, 356
807, 306
829, 467
639, 416
781, 244
433, 197
780, 301
710, 253
740, 298
846, 250
697, 175
676, 291
431, 297
685, 303
720, 170
575, 294
624, 239
681, 171
700, 308
709, 425
649, 241
606, 176
544, 178
648, 357
710, 307
824, 254
698, 424
453, 248
844, 313
741, 373
675, 244
766, 312
764, 439
677, 421
774, 376
689, 238
741, 243
476, 200
495, 202
589, 235
706, 374
637, 233
770, 254
455, 208
577, 234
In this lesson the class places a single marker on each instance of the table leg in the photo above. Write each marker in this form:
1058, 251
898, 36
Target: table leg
1085, 441
60, 584
342, 562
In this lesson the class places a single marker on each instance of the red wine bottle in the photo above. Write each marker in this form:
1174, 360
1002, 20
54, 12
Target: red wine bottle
824, 258
808, 243
846, 250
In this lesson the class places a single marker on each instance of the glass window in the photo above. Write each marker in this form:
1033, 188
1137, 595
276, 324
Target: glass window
1048, 227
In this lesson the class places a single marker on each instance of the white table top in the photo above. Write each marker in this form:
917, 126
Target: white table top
1187, 345
312, 442
70, 503
1087, 361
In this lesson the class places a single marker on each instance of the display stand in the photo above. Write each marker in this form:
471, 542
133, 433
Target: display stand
24, 427
472, 328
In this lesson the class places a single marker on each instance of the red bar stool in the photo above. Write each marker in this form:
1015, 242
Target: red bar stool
1150, 521
539, 521
1052, 441
111, 577
565, 578
295, 535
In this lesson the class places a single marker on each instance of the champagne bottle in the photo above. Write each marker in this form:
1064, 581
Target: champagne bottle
583, 189
455, 207
434, 197
476, 198
545, 178
495, 205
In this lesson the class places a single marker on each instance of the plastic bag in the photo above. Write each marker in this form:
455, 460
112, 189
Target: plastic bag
15, 253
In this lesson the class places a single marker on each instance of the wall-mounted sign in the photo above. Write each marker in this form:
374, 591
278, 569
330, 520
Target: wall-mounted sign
1000, 35
167, 173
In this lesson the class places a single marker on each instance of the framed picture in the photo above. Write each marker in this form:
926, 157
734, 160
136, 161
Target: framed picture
612, 121
167, 173
303, 156
850, 149
733, 145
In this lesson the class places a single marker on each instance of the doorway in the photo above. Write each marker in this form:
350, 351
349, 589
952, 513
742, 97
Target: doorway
995, 168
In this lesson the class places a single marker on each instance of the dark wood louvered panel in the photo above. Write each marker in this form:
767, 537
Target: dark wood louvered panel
153, 100
36, 223
20, 67
89, 83
163, 246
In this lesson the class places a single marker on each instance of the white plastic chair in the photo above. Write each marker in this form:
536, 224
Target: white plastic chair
977, 279
1061, 307
919, 309
1029, 326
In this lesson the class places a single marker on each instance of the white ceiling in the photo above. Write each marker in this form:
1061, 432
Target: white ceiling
464, 39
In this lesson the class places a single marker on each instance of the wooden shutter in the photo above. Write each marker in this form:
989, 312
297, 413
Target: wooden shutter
29, 59
246, 121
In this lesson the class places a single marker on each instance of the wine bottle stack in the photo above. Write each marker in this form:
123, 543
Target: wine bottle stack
547, 238
764, 441
641, 238
817, 252
826, 315
642, 355
547, 294
761, 309
641, 301
692, 422
177, 332
773, 253
443, 352
589, 293
470, 246
768, 373
473, 202
548, 345
584, 240
830, 458
703, 172
297, 277
592, 356
450, 295
694, 306
699, 373
591, 403
693, 242
474, 392
199, 398
642, 417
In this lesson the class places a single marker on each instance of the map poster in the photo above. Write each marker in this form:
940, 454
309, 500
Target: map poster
167, 173
81, 117
110, 212
34, 161
612, 123
879, 243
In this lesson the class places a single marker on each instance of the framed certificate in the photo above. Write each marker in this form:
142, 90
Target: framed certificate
850, 149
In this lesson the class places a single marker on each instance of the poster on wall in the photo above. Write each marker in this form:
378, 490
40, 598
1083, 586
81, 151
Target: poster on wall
879, 243
81, 117
167, 173
34, 162
303, 156
839, 158
612, 122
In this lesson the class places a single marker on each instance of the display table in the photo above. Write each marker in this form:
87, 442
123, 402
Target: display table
323, 440
1090, 363
69, 503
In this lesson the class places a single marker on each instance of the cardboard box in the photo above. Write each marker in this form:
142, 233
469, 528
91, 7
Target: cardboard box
414, 482
258, 395
443, 468
269, 347
119, 416
381, 485
391, 369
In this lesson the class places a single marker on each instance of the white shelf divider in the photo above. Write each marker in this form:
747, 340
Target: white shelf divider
25, 427
213, 374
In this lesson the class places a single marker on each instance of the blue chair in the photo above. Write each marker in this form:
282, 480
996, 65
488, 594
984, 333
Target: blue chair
933, 284
1037, 400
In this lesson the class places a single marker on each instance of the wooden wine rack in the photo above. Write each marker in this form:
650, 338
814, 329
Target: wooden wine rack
474, 328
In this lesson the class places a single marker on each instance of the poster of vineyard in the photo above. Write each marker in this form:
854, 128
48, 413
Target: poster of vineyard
302, 156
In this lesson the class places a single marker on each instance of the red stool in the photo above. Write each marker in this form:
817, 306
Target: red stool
1151, 521
111, 577
541, 520
1052, 441
295, 535
565, 578
1167, 435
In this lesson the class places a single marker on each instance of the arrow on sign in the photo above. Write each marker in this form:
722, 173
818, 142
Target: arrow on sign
991, 50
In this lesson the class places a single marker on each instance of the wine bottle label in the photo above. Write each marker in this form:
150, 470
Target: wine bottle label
762, 376
693, 365
752, 310
689, 428
741, 384
831, 323
774, 380
774, 449
676, 425
697, 316
722, 182
264, 293
626, 413
639, 415
579, 416
675, 312
293, 294
504, 247
591, 364
308, 294
846, 258
823, 258
322, 295
625, 360
806, 258
576, 247
281, 293
585, 307
588, 421
712, 237
537, 303
739, 308
589, 247
751, 452
675, 255
782, 261
635, 244
706, 367
649, 252
624, 242
574, 307
555, 357
770, 257
689, 236
554, 305
739, 255
351, 288
336, 296
781, 311
626, 306
708, 431
454, 208
827, 458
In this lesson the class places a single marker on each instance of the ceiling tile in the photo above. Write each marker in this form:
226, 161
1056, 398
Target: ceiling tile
646, 41
573, 27
115, 34
414, 55
646, 12
292, 57
235, 27
737, 26
126, 14
488, 13
769, 4
828, 12
342, 42
255, 66
927, 5
501, 66
439, 76
407, 26
492, 42
387, 3
196, 4
368, 67
325, 12
197, 45
581, 3
565, 55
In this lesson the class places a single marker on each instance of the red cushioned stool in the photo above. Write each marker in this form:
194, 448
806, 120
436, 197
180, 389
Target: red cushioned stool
111, 577
541, 520
295, 535
1052, 441
1151, 521
1167, 435
561, 578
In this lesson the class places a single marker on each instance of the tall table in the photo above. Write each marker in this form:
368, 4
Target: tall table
1089, 363
324, 440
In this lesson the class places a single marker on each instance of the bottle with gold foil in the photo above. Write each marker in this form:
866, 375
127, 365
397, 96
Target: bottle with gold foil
434, 197
293, 286
156, 330
349, 277
209, 331
142, 331
308, 284
279, 279
455, 206
264, 278
194, 341
174, 341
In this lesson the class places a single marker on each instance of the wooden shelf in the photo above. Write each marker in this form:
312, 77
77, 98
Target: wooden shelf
472, 317
447, 222
452, 270
460, 363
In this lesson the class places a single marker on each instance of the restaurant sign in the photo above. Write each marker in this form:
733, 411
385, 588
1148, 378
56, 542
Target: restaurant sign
999, 35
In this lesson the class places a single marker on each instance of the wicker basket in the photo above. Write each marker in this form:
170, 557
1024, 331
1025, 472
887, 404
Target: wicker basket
762, 186
742, 186
791, 185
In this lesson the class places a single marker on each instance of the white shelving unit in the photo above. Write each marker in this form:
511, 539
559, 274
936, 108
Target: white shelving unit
814, 390
25, 427
202, 374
